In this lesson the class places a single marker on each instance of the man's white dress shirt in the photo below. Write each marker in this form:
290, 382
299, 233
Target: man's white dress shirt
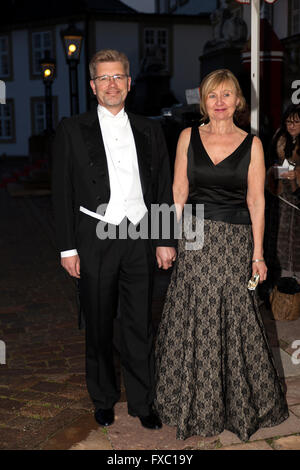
126, 197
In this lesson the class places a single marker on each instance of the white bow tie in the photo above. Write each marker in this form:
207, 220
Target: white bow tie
120, 119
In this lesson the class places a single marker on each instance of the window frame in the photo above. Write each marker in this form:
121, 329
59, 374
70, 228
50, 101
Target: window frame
10, 76
291, 16
171, 7
169, 43
39, 99
31, 32
12, 139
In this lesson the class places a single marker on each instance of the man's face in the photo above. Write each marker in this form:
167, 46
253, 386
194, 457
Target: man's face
111, 93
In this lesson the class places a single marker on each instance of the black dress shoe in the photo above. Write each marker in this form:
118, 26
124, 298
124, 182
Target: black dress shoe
105, 417
152, 421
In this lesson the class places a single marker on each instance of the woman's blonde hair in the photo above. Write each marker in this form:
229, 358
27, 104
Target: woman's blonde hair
108, 55
212, 81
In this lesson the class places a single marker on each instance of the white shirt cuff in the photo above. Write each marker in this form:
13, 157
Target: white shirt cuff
65, 254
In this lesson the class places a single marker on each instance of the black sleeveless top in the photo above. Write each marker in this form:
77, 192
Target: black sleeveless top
222, 188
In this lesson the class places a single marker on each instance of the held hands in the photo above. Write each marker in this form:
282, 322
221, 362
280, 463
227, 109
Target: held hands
165, 255
72, 265
260, 267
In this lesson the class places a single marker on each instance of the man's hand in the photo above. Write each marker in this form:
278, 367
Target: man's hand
72, 265
165, 255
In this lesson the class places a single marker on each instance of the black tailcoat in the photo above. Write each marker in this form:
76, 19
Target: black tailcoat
110, 269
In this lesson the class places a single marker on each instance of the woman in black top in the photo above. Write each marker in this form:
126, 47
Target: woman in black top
214, 367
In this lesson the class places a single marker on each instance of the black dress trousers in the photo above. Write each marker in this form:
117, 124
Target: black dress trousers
117, 272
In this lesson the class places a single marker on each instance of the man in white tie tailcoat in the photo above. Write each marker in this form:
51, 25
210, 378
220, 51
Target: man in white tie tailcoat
109, 167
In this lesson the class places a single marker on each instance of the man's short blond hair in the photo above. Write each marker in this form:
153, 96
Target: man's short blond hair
108, 55
212, 81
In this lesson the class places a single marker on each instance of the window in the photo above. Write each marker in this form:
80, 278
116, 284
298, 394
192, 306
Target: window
5, 57
267, 12
38, 114
157, 39
7, 132
172, 5
42, 42
295, 17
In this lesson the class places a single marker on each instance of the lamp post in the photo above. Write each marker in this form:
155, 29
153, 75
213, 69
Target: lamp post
255, 60
48, 72
72, 41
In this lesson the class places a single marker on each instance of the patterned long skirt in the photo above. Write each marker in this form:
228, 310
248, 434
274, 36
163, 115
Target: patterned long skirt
214, 367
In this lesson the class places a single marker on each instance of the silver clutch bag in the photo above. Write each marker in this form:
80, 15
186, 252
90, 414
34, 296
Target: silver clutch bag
252, 284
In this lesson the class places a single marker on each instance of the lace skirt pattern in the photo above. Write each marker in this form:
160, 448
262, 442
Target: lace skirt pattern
214, 367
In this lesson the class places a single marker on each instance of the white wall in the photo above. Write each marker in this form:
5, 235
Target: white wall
280, 19
188, 43
144, 6
194, 7
120, 36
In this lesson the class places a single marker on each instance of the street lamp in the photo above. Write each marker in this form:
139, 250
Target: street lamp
72, 41
48, 72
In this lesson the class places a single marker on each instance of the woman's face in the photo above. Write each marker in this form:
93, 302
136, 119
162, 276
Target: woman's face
293, 125
222, 101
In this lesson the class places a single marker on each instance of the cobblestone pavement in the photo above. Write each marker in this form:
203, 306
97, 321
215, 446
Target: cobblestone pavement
43, 398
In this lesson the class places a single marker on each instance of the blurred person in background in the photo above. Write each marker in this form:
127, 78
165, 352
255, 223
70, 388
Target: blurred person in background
283, 182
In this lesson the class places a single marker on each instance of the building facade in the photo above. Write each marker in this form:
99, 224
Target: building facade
33, 30
179, 29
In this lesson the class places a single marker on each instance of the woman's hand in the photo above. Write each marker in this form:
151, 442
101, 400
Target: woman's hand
260, 268
289, 175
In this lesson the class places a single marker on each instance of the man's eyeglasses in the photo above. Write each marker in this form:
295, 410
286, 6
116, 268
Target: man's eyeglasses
105, 79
